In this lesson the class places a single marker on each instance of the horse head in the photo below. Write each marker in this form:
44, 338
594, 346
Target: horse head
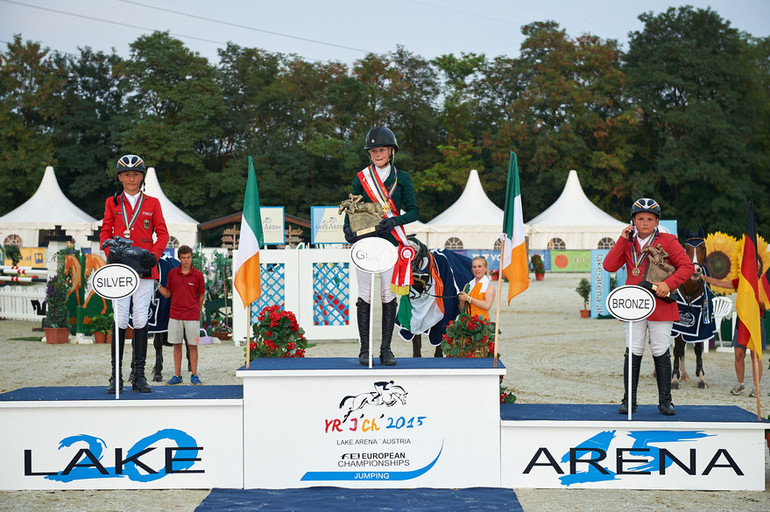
695, 246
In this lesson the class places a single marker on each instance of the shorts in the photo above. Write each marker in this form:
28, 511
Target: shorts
735, 335
179, 329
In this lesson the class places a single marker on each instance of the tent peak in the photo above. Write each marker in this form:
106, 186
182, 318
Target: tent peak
473, 199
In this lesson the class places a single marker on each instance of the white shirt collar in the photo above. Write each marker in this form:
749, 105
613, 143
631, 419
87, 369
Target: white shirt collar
132, 199
383, 173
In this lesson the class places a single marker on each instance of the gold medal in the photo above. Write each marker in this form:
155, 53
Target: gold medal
635, 272
385, 208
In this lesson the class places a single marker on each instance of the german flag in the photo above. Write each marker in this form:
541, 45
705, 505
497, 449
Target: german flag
747, 303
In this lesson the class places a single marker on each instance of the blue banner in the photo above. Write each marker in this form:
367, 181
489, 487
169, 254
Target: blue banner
600, 283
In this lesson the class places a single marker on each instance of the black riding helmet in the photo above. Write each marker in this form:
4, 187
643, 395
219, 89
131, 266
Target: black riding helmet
645, 204
381, 137
128, 163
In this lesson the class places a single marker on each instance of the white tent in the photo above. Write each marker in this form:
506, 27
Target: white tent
48, 207
473, 219
180, 225
574, 220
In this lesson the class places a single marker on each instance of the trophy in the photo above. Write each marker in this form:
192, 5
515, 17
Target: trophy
658, 269
363, 217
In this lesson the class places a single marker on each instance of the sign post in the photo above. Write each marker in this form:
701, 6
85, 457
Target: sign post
373, 255
630, 304
115, 281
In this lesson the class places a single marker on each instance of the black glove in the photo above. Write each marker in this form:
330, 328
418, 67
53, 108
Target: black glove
385, 226
349, 236
113, 258
148, 260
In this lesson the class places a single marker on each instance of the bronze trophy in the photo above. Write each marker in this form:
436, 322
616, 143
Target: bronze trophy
363, 217
658, 269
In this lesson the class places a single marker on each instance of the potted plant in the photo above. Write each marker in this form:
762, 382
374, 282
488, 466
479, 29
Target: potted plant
469, 336
536, 263
277, 334
219, 328
56, 322
584, 290
100, 327
13, 253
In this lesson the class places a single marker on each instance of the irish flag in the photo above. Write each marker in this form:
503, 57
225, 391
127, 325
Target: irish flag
247, 278
514, 263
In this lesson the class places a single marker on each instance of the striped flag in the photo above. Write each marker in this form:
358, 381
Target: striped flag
247, 278
514, 262
747, 302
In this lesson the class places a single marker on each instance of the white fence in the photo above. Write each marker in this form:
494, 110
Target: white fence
16, 301
317, 285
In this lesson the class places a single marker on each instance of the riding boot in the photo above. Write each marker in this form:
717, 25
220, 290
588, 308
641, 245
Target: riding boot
662, 371
363, 311
157, 343
388, 322
636, 365
121, 344
133, 360
139, 383
417, 346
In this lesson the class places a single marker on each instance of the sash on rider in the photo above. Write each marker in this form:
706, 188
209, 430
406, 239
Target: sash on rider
378, 193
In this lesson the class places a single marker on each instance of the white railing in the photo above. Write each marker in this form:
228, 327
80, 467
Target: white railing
16, 301
300, 292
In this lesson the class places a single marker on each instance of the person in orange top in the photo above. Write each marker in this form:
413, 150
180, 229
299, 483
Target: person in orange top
479, 294
645, 215
132, 214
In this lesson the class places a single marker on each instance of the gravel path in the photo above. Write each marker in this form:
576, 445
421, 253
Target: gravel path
552, 356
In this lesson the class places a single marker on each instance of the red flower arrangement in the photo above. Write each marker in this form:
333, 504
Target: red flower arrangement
469, 336
277, 334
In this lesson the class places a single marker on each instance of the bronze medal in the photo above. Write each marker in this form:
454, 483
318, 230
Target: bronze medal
635, 272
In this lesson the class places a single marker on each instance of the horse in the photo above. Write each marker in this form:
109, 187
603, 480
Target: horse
438, 276
386, 393
696, 314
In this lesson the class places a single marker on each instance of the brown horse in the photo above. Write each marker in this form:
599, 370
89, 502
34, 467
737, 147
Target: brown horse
696, 323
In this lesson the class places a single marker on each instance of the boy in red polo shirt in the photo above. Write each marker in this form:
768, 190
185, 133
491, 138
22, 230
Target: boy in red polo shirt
645, 215
185, 286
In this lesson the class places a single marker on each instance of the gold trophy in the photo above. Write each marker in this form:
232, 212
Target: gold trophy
363, 217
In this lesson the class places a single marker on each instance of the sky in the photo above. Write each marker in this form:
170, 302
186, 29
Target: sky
341, 30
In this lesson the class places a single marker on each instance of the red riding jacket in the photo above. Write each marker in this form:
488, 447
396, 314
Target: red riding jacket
150, 220
620, 255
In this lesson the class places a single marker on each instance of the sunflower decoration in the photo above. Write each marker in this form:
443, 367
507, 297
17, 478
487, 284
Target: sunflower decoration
720, 259
763, 257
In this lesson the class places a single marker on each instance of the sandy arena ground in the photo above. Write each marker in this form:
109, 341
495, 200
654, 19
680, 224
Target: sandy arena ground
551, 355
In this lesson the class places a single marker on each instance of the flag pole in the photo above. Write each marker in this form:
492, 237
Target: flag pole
755, 372
248, 335
499, 298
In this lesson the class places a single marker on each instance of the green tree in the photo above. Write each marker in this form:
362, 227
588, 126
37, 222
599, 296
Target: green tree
701, 87
85, 136
31, 85
174, 103
569, 114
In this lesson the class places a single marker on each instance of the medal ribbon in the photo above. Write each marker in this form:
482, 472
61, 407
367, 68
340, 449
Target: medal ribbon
378, 193
638, 260
135, 215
